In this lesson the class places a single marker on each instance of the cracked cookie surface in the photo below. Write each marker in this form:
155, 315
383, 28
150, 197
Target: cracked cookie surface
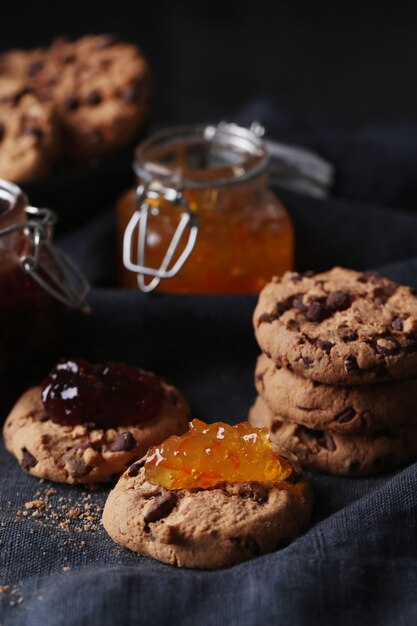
333, 453
339, 408
205, 528
339, 327
83, 453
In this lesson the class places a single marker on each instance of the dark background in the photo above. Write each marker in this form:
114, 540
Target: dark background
346, 65
348, 61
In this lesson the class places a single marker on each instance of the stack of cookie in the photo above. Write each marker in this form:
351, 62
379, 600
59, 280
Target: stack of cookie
337, 380
74, 101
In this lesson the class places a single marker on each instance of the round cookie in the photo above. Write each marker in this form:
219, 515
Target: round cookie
28, 133
332, 453
339, 327
341, 409
205, 528
98, 85
83, 453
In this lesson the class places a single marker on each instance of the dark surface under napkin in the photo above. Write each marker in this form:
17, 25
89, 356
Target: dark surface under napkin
358, 562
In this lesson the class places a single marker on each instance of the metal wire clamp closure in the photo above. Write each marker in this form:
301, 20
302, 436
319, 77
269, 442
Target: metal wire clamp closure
139, 221
49, 267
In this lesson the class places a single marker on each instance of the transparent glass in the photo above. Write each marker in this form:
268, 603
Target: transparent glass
30, 319
244, 232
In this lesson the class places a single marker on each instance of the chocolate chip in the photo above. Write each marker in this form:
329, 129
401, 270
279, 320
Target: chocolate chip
369, 276
311, 432
160, 507
329, 441
259, 377
69, 58
354, 465
34, 68
93, 98
346, 415
366, 418
409, 345
44, 417
296, 277
308, 362
351, 364
124, 442
382, 294
297, 303
338, 300
72, 103
33, 131
380, 371
316, 312
253, 547
387, 346
131, 94
135, 469
254, 491
267, 318
28, 460
350, 336
397, 323
326, 346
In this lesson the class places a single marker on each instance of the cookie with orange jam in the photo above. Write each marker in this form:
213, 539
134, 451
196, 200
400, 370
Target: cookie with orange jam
214, 497
87, 423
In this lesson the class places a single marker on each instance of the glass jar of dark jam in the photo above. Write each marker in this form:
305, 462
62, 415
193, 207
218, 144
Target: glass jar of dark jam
35, 281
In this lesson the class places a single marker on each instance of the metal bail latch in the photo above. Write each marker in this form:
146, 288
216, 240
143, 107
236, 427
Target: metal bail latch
49, 267
139, 221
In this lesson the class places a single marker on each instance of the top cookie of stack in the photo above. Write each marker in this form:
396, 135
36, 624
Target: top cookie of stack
339, 327
97, 86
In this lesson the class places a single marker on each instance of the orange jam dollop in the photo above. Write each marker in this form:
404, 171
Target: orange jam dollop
209, 454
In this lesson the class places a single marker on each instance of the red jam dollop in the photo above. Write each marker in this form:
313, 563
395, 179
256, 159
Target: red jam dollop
209, 454
107, 395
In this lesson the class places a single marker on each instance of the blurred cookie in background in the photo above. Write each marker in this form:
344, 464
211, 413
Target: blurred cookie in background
29, 134
97, 87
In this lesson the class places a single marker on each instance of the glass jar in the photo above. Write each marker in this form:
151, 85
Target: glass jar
36, 280
202, 219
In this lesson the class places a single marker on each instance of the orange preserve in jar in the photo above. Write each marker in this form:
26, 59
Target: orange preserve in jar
202, 219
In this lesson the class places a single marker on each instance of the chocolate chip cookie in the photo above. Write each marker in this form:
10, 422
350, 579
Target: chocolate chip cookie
339, 327
98, 86
206, 528
333, 453
28, 133
84, 453
337, 408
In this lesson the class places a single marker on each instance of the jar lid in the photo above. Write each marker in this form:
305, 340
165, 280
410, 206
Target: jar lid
198, 156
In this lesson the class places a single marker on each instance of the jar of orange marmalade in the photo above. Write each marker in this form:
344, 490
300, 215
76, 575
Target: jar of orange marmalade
202, 219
